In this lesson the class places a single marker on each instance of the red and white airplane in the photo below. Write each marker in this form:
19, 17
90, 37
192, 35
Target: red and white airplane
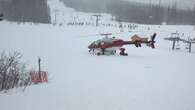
109, 46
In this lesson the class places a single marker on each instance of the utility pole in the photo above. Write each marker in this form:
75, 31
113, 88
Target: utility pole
97, 18
39, 63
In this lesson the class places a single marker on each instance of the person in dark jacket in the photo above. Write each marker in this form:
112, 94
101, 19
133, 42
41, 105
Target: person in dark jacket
122, 52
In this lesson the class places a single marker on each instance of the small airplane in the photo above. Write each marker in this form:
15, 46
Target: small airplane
109, 46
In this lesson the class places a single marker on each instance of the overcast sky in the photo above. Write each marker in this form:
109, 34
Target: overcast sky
185, 4
181, 3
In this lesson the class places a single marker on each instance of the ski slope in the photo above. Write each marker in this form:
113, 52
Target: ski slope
146, 79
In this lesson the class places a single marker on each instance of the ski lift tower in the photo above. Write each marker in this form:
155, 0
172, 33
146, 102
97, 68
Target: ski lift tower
174, 37
97, 18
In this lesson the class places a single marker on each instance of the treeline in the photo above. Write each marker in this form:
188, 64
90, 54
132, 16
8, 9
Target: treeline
136, 12
151, 14
36, 11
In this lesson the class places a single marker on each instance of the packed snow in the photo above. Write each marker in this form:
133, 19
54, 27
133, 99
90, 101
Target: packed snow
146, 79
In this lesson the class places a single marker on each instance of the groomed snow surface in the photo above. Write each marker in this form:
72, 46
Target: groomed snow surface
147, 79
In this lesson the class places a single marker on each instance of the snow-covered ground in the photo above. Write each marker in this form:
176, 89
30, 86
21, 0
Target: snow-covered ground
147, 79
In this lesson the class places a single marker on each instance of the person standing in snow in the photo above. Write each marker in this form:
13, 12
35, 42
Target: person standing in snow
122, 52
